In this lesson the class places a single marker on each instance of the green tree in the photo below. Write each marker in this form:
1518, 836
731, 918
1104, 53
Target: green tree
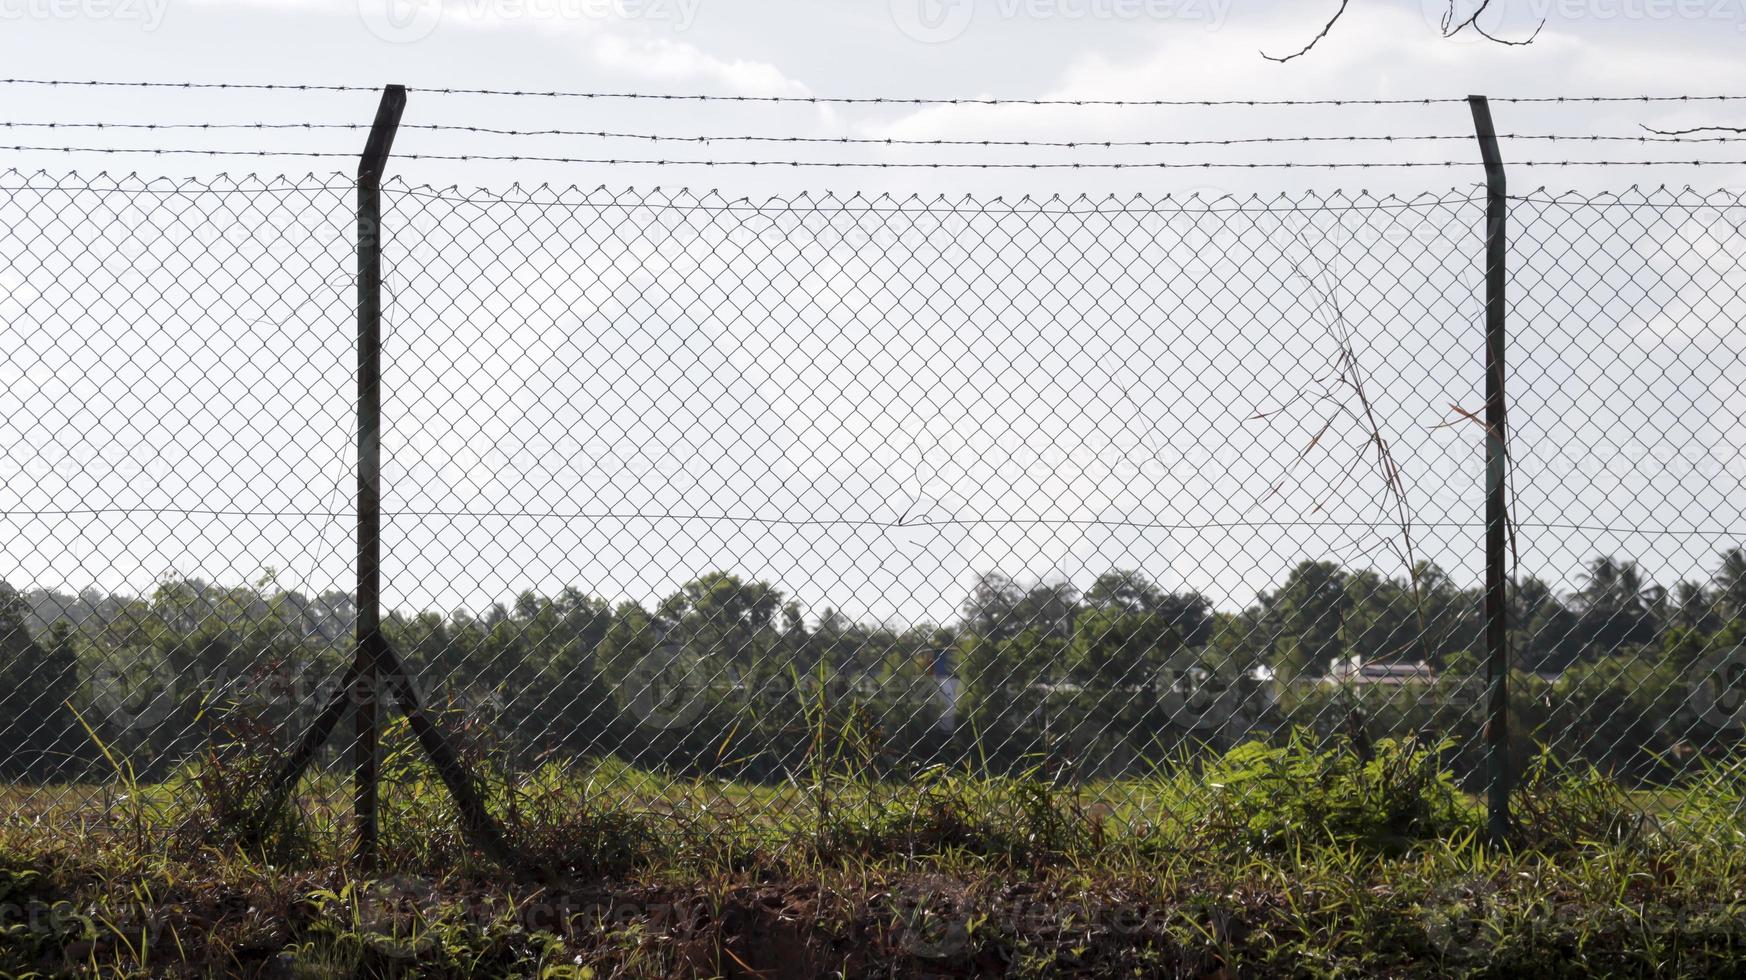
726, 621
990, 611
1310, 609
550, 690
632, 635
41, 737
1049, 607
1616, 607
1731, 584
1003, 708
1545, 631
1129, 628
1692, 607
1114, 648
1124, 590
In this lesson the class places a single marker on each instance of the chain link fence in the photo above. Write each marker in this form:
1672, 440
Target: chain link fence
701, 503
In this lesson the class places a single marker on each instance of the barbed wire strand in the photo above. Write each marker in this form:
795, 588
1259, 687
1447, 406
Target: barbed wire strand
849, 100
881, 165
869, 141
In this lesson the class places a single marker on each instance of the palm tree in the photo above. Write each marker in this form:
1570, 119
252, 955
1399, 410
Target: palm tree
1618, 606
1731, 583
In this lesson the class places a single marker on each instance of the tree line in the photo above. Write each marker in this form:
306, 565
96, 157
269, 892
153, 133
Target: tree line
730, 675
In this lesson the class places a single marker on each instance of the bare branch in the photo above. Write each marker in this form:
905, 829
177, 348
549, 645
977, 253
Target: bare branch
1694, 130
1493, 38
1450, 27
1314, 40
1473, 22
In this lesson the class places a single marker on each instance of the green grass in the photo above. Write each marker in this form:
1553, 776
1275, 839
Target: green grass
1290, 862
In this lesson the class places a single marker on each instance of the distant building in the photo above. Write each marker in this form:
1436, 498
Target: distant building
1354, 670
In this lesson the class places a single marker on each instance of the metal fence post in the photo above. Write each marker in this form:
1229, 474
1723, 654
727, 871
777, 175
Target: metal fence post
374, 664
368, 662
1497, 667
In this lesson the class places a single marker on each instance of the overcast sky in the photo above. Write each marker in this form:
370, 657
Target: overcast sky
495, 303
1134, 49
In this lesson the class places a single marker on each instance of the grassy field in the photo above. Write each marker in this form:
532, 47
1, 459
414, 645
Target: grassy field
1289, 862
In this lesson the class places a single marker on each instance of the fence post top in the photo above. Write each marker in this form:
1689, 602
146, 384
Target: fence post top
375, 156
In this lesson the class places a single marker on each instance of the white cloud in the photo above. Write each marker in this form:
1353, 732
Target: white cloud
669, 61
1374, 52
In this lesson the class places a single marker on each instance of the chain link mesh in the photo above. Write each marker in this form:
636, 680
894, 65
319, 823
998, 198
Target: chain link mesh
705, 502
